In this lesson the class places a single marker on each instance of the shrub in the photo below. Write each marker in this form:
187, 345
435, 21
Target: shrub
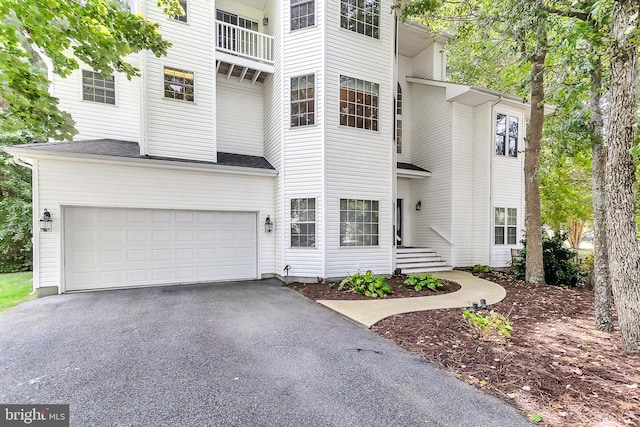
367, 285
558, 261
479, 268
426, 280
485, 327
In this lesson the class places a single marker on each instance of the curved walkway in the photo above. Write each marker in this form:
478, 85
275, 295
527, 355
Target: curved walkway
472, 289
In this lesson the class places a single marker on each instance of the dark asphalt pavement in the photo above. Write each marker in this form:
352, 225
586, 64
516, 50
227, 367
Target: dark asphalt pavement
233, 354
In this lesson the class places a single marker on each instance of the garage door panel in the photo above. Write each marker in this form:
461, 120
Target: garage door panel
133, 247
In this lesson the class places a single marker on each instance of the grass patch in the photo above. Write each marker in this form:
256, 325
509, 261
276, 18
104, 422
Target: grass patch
14, 289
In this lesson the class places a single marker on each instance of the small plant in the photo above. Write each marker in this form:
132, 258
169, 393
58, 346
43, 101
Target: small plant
479, 268
426, 280
487, 326
535, 417
367, 285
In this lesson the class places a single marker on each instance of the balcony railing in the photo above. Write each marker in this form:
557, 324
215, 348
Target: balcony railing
244, 43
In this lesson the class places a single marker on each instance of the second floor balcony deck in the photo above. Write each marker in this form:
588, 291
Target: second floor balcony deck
243, 53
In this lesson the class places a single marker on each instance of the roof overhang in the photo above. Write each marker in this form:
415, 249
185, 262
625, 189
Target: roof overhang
414, 37
408, 170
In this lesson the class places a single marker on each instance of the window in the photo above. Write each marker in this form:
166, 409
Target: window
303, 223
399, 120
182, 18
302, 100
233, 19
505, 225
96, 88
233, 39
359, 222
358, 103
506, 136
361, 16
302, 14
178, 84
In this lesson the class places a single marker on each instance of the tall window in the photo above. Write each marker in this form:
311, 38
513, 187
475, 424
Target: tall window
96, 88
505, 226
359, 222
178, 84
302, 14
361, 16
506, 135
399, 120
358, 103
182, 18
303, 222
302, 100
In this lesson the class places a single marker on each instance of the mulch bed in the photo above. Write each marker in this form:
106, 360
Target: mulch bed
318, 291
556, 364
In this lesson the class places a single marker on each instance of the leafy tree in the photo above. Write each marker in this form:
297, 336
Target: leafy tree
100, 33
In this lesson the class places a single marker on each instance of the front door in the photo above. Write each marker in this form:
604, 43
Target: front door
399, 222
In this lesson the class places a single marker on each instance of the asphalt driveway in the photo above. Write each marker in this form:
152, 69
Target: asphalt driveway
236, 354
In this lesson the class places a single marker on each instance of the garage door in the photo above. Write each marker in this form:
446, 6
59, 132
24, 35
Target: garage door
112, 248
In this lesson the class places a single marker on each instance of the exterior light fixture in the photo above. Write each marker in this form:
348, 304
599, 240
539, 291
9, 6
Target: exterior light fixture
268, 225
45, 221
419, 205
265, 21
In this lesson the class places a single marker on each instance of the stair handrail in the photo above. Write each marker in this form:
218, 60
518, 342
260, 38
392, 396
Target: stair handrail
442, 236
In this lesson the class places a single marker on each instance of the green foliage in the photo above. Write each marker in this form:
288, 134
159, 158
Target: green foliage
558, 260
100, 33
14, 289
535, 417
420, 281
486, 327
15, 210
367, 285
479, 268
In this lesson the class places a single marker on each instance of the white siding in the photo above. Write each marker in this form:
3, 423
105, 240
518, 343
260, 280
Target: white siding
71, 183
423, 63
462, 185
177, 128
405, 70
240, 122
482, 155
359, 162
408, 209
95, 120
432, 150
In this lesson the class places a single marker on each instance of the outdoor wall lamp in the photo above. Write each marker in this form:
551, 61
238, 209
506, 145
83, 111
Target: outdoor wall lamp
45, 221
265, 21
419, 205
268, 224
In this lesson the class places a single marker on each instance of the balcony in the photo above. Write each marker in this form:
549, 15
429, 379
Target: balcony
242, 53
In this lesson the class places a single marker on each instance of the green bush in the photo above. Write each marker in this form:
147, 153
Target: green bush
367, 285
420, 281
488, 326
558, 261
479, 268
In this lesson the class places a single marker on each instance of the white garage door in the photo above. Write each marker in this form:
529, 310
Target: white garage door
112, 248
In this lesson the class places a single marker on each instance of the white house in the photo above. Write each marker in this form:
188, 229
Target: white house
299, 137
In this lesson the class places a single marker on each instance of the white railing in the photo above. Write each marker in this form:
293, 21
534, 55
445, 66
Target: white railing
245, 43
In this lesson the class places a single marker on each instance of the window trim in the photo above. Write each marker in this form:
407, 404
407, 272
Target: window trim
314, 222
506, 226
182, 18
508, 115
193, 78
301, 2
82, 87
379, 26
371, 223
315, 113
356, 105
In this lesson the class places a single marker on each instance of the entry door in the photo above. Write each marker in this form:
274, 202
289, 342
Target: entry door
399, 222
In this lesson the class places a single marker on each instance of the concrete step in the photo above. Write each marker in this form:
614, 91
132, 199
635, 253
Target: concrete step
421, 258
412, 250
438, 261
427, 269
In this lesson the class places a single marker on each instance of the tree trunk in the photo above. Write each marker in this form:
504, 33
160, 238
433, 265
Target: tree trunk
576, 228
534, 268
601, 283
624, 257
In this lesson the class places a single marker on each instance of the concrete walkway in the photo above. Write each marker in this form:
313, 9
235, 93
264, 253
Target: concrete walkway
472, 289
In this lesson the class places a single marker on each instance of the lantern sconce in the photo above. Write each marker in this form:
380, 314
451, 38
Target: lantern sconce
419, 205
265, 21
45, 221
268, 224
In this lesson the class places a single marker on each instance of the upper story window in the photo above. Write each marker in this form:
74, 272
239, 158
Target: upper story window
361, 16
97, 88
302, 100
178, 84
505, 226
302, 14
358, 103
303, 222
359, 222
233, 19
399, 120
506, 135
182, 18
